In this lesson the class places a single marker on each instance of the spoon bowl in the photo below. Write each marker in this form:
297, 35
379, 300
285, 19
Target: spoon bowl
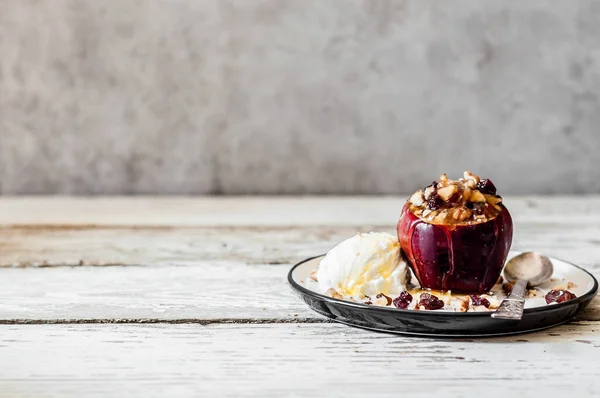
533, 267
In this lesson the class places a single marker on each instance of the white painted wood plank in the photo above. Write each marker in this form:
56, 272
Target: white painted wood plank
48, 245
150, 246
245, 211
197, 291
290, 361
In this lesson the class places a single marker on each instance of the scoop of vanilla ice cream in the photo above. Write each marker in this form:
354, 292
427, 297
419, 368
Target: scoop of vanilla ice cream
365, 264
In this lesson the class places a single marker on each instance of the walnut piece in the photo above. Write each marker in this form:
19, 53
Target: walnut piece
382, 300
467, 175
459, 304
417, 198
446, 192
477, 197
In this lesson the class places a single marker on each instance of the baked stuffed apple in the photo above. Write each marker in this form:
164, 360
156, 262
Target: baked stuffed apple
456, 234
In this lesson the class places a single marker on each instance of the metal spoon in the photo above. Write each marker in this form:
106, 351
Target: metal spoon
529, 268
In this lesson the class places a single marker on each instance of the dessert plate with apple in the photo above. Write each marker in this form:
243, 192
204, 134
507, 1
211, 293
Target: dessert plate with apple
448, 271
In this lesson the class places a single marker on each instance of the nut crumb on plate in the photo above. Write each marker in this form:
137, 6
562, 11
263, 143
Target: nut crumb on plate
331, 292
382, 300
459, 304
531, 293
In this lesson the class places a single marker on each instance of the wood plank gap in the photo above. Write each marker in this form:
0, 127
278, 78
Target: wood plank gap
226, 321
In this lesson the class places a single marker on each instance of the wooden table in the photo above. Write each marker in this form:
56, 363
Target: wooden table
183, 297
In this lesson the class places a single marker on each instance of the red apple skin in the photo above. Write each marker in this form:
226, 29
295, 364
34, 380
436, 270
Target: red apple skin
461, 258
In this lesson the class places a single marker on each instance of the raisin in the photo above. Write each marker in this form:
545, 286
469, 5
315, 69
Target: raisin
486, 186
478, 300
430, 302
389, 299
368, 303
403, 300
558, 296
434, 202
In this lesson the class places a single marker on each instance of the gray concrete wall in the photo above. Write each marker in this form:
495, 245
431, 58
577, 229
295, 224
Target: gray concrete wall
303, 96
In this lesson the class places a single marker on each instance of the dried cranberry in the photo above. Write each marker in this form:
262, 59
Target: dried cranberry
430, 302
403, 300
558, 296
486, 186
478, 300
434, 202
389, 299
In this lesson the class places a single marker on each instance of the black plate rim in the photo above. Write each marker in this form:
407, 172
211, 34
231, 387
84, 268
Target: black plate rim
581, 299
452, 336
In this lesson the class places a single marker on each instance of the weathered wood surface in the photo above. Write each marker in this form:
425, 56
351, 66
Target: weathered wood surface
22, 246
290, 361
218, 264
253, 211
194, 292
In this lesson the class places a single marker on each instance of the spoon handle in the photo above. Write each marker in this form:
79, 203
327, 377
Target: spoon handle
512, 306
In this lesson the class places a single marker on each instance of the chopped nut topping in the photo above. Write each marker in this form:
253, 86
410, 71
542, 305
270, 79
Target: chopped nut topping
468, 200
477, 197
313, 275
417, 198
467, 175
446, 192
428, 191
